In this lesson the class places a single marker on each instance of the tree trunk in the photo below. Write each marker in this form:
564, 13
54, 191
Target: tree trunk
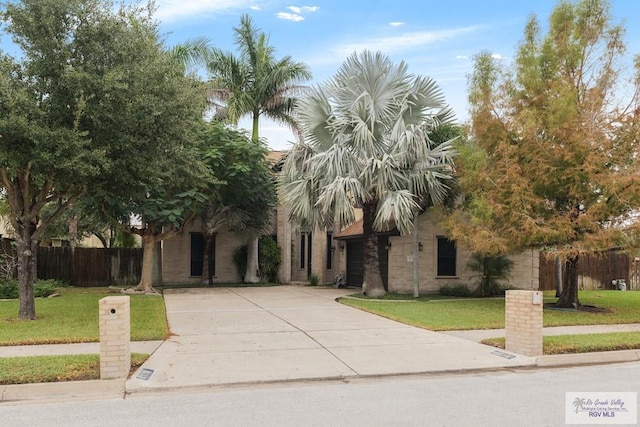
27, 270
251, 275
372, 280
569, 295
208, 261
146, 277
558, 276
105, 243
73, 240
416, 265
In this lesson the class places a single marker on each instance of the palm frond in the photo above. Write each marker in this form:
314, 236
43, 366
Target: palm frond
366, 139
396, 207
193, 53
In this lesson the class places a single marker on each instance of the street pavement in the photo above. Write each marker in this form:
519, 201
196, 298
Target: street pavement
223, 336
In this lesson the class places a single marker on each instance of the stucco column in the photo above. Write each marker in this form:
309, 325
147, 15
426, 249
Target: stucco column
284, 241
318, 251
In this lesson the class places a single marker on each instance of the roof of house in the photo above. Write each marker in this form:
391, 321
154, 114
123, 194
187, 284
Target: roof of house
356, 230
274, 156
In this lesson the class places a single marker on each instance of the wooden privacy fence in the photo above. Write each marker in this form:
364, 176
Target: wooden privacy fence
93, 266
595, 271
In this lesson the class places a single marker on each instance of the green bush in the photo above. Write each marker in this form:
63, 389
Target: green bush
125, 240
269, 259
314, 280
41, 288
51, 282
44, 288
456, 291
491, 269
8, 290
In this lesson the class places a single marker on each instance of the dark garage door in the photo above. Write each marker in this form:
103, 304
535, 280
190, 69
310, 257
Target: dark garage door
355, 261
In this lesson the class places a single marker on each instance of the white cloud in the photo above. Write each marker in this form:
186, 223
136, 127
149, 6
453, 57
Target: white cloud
403, 42
462, 57
396, 24
290, 16
254, 7
496, 56
298, 11
174, 10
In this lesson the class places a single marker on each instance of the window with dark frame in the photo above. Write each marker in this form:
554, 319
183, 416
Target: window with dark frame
212, 257
302, 250
330, 250
197, 255
446, 264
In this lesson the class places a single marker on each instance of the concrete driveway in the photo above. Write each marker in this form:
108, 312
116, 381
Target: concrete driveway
248, 335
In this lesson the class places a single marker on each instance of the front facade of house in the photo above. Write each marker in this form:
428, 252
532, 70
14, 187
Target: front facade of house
183, 260
326, 254
443, 262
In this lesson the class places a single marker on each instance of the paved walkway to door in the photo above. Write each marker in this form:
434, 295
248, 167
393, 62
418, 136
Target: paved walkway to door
249, 335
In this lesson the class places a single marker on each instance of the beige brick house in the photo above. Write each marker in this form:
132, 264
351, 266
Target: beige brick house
327, 253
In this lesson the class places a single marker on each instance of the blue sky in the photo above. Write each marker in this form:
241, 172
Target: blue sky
435, 38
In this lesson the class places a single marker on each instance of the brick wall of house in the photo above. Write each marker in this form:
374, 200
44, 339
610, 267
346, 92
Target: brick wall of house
176, 257
524, 275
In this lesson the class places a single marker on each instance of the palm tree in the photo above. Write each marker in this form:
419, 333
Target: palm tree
491, 269
255, 83
192, 54
367, 146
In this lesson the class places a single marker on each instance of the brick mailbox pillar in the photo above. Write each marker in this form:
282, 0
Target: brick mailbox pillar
115, 337
523, 322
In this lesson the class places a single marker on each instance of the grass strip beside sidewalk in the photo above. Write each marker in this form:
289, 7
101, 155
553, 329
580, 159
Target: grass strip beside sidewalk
73, 318
582, 343
44, 369
466, 314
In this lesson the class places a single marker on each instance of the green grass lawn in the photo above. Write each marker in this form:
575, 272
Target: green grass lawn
438, 314
42, 369
582, 343
73, 317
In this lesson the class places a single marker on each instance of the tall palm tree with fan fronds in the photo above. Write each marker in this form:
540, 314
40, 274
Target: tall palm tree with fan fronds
366, 145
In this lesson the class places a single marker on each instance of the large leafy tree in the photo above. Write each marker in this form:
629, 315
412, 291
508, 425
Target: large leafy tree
162, 178
555, 158
245, 199
367, 146
45, 156
89, 106
257, 84
39, 160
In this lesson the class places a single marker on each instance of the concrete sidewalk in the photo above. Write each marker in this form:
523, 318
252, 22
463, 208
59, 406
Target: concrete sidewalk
226, 336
